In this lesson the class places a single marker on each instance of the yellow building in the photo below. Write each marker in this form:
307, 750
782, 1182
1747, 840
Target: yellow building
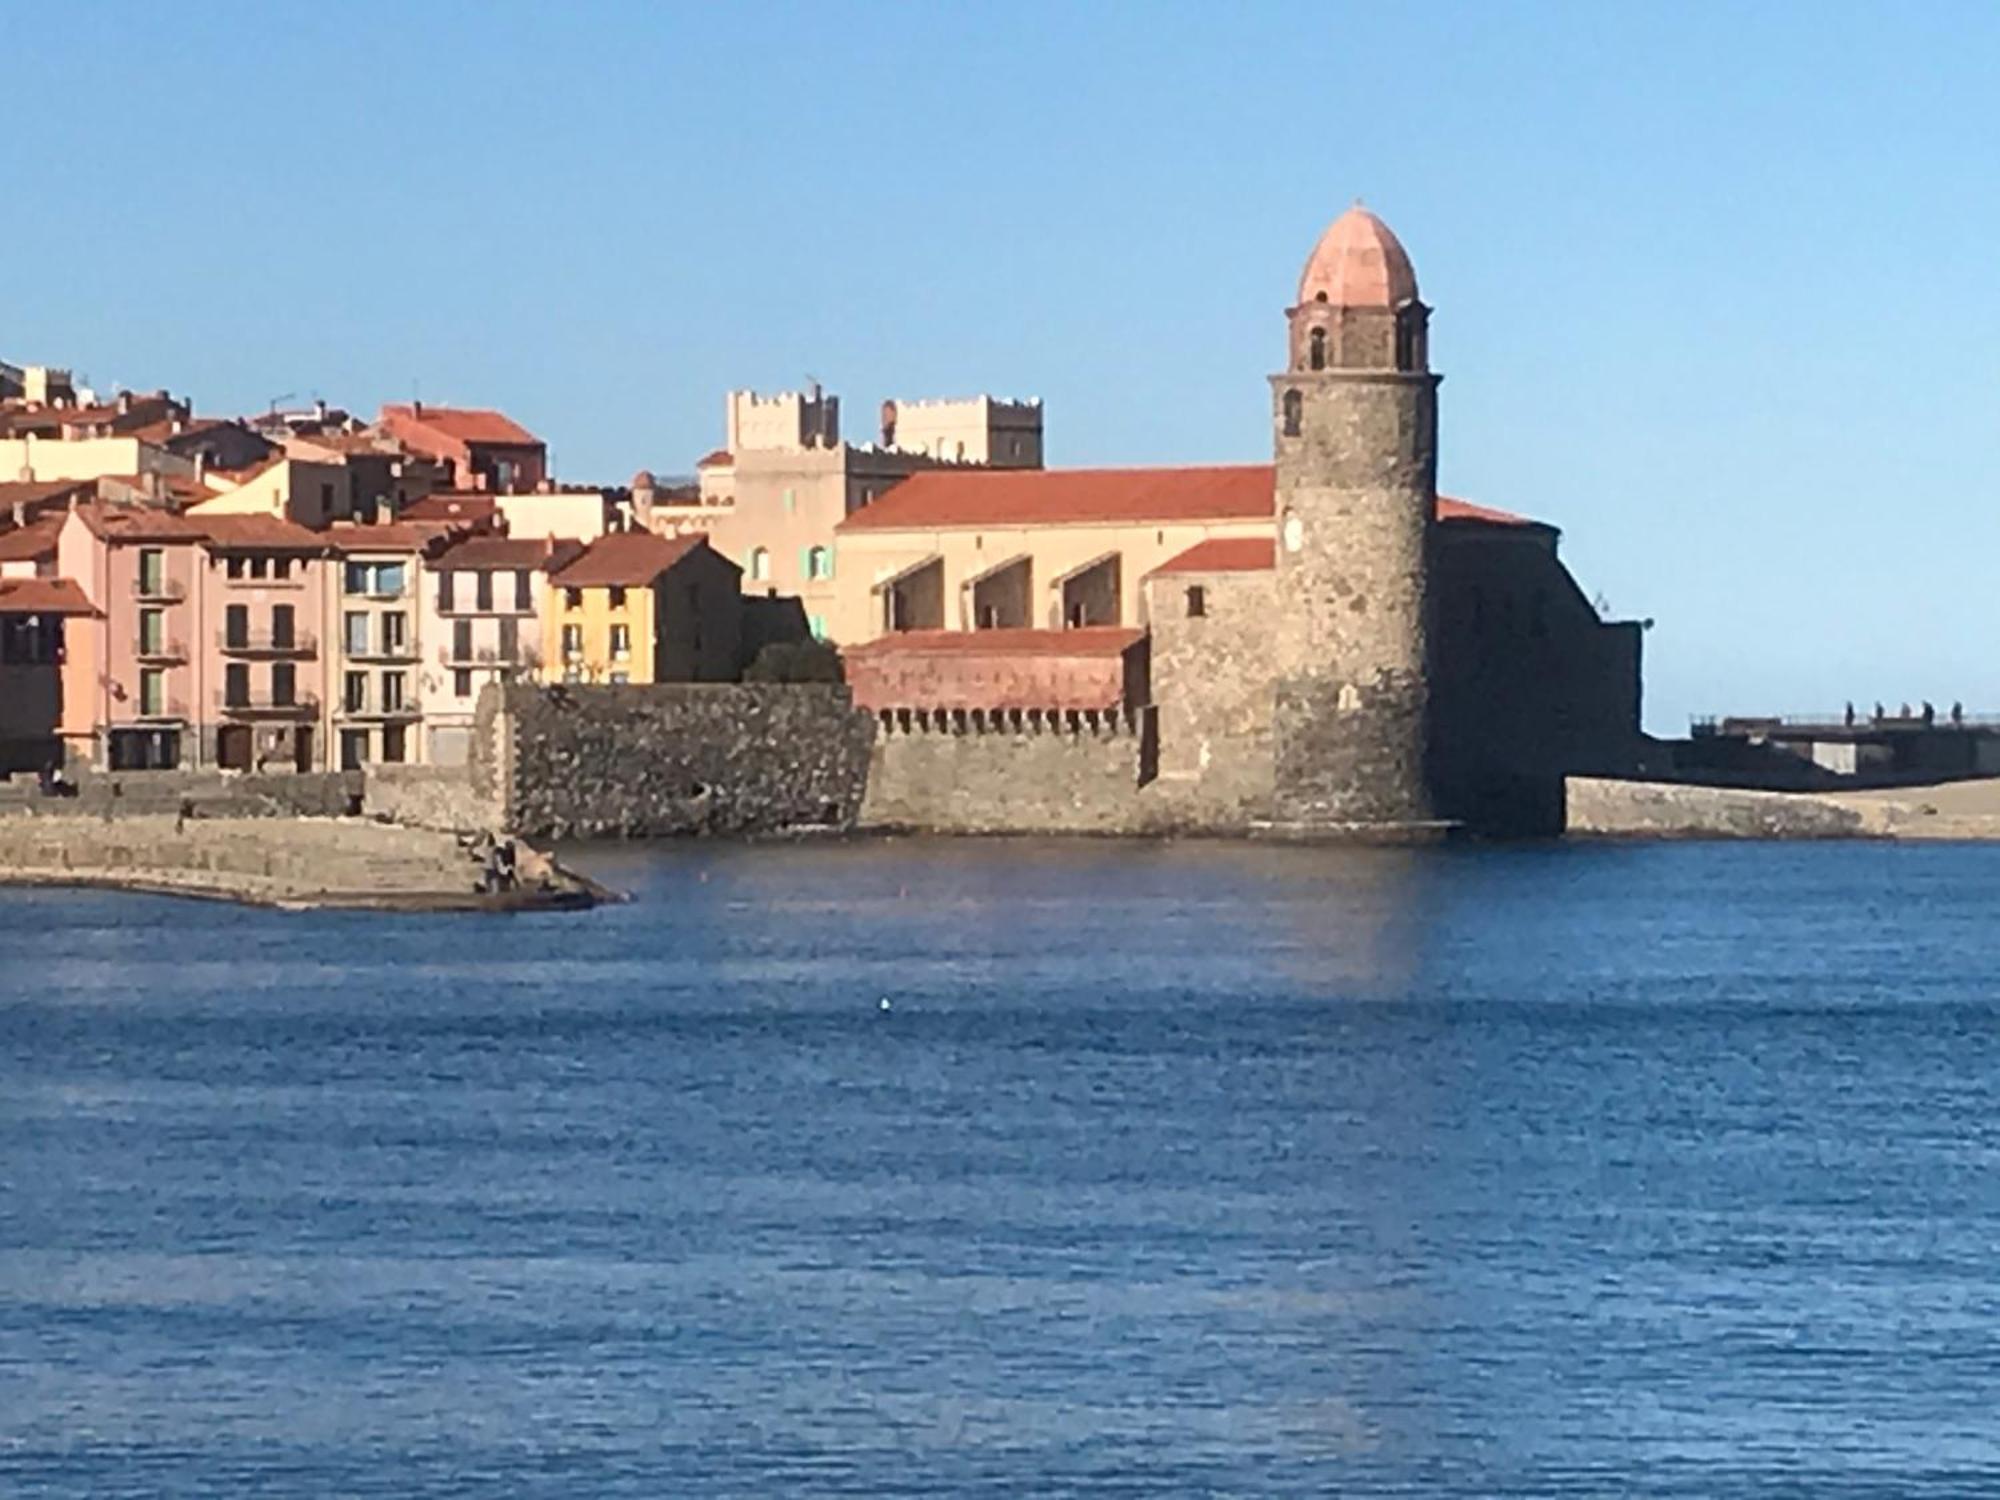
636, 607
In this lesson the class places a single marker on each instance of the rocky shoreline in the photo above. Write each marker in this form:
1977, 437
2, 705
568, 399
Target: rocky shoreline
293, 864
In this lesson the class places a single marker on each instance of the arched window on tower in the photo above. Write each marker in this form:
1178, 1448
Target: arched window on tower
1294, 409
1316, 349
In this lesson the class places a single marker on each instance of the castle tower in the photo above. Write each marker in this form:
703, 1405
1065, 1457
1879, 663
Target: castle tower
1355, 423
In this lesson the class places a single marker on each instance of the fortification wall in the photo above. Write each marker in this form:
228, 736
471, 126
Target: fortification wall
1011, 771
441, 797
211, 794
1638, 809
683, 758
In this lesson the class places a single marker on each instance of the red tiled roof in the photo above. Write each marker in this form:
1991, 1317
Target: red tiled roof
31, 542
936, 498
464, 424
263, 532
388, 536
450, 505
42, 596
36, 492
481, 554
1086, 640
715, 459
137, 523
1225, 554
1045, 497
627, 559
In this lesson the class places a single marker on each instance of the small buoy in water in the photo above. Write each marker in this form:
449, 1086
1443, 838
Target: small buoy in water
883, 1003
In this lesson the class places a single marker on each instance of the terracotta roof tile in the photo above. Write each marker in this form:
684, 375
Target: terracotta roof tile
42, 596
480, 554
464, 424
262, 532
451, 505
940, 498
715, 459
1087, 640
32, 542
388, 536
1225, 554
137, 523
627, 559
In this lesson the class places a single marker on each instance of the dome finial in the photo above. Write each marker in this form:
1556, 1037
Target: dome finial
1358, 262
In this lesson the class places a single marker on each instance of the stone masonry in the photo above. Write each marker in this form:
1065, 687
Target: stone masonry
681, 758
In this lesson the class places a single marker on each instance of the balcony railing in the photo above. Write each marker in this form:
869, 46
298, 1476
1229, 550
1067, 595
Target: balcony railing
166, 711
483, 656
159, 590
266, 643
160, 651
267, 704
382, 651
349, 709
507, 608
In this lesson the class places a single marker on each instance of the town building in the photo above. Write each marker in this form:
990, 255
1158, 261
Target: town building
376, 655
36, 668
1329, 648
482, 624
479, 449
635, 607
770, 501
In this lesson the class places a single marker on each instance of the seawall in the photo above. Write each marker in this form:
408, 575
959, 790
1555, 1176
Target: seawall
683, 758
319, 862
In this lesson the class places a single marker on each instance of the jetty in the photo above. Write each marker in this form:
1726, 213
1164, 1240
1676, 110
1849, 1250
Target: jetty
298, 863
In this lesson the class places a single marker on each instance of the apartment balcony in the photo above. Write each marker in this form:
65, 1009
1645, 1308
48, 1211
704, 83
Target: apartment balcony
166, 711
266, 643
383, 651
484, 656
158, 590
266, 705
377, 713
160, 652
503, 609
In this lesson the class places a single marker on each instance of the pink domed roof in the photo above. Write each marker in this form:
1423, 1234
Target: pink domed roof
1358, 262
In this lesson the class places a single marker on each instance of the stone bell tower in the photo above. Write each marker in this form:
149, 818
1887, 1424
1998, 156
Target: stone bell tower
1355, 417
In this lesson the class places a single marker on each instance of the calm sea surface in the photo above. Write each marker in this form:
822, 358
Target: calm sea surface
1164, 1170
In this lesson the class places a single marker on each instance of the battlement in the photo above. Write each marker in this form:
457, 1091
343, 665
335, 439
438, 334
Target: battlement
785, 420
1074, 723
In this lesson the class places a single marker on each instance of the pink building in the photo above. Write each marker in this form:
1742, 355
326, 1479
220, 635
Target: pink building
203, 648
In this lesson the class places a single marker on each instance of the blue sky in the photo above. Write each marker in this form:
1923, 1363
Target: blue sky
1717, 288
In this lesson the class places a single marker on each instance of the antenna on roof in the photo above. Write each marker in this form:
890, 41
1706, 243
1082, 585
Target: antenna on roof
276, 399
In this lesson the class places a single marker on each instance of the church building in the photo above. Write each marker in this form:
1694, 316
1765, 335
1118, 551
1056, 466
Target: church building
1321, 646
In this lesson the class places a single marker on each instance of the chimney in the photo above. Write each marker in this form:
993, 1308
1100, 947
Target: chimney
177, 427
200, 465
416, 407
150, 483
888, 424
124, 403
319, 409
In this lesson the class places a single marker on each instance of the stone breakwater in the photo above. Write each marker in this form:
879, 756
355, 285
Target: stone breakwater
1968, 810
299, 862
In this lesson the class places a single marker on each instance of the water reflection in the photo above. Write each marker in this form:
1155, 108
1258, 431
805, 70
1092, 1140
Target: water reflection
1170, 1167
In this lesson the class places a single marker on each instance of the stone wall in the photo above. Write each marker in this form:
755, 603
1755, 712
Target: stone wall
684, 758
212, 794
1212, 688
1356, 491
315, 858
442, 797
1642, 809
1011, 772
